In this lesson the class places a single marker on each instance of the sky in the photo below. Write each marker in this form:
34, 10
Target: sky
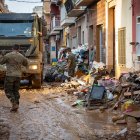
22, 7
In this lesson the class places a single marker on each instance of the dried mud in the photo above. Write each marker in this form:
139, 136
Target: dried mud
47, 114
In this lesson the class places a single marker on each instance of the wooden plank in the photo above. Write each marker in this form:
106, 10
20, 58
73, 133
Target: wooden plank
135, 114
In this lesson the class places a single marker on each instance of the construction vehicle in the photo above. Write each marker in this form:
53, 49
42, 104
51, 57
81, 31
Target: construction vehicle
24, 29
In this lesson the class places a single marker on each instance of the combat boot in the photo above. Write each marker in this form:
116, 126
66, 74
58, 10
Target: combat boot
15, 107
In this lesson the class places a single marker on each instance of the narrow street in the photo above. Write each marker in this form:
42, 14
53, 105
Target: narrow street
44, 116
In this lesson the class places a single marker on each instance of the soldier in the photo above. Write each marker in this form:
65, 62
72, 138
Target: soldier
14, 61
71, 63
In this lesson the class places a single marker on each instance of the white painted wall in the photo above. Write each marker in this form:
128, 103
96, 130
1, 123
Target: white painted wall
138, 35
118, 13
126, 21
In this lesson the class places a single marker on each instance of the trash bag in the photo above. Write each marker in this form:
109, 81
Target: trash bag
61, 78
109, 95
49, 78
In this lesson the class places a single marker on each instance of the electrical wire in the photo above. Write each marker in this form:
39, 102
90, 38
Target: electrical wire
27, 1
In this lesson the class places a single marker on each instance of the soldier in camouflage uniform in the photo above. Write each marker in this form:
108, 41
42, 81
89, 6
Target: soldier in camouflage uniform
14, 61
71, 63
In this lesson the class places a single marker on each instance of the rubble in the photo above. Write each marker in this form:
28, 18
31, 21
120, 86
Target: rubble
98, 90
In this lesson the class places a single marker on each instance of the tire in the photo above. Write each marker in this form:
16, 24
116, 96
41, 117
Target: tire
36, 81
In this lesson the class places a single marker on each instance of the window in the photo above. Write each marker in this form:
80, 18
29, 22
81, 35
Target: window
16, 29
79, 35
138, 37
121, 45
138, 20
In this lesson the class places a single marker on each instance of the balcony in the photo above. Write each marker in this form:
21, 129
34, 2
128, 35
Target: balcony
54, 1
67, 21
76, 12
55, 25
72, 9
54, 32
84, 2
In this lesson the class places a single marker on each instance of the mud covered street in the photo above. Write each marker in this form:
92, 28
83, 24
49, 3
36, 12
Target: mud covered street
49, 116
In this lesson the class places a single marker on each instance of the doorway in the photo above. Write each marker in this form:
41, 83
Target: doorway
90, 35
79, 35
111, 40
100, 49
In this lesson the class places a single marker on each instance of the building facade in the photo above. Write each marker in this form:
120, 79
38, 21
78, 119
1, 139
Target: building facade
119, 35
3, 7
81, 22
38, 10
52, 16
89, 25
112, 27
136, 32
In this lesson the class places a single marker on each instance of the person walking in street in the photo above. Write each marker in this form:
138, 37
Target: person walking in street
71, 63
63, 57
14, 62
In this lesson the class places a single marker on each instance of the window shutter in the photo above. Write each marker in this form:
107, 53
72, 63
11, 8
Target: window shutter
122, 46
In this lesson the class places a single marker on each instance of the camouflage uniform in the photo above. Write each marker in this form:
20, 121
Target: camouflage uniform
71, 64
14, 61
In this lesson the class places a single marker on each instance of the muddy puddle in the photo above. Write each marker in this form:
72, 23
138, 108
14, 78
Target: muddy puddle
43, 118
100, 122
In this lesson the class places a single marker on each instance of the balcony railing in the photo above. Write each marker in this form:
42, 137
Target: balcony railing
84, 2
54, 1
67, 21
72, 9
69, 4
55, 24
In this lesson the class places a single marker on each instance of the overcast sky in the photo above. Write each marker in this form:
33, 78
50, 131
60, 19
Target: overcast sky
22, 7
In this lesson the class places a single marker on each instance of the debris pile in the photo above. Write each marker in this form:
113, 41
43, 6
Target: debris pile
56, 73
97, 89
